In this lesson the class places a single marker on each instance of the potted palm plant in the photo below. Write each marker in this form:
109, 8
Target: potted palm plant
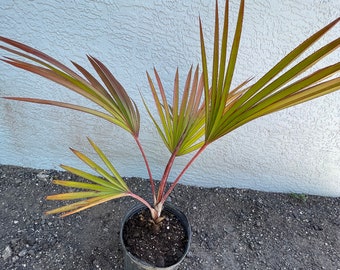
196, 116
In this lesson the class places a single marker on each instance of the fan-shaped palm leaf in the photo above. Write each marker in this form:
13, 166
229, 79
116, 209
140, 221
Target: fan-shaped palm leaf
97, 189
118, 106
227, 110
181, 123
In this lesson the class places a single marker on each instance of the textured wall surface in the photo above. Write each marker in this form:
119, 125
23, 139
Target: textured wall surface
297, 150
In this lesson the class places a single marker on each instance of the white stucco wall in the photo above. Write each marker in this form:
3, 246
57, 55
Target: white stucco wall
297, 150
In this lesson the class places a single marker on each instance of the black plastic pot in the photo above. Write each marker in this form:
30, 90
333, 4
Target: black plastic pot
133, 263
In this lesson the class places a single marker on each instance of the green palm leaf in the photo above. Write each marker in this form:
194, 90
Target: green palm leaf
100, 190
228, 109
181, 123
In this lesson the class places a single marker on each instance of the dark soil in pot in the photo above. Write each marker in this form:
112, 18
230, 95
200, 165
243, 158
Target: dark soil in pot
162, 244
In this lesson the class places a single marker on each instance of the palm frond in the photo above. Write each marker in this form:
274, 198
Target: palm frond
228, 109
99, 190
111, 97
180, 123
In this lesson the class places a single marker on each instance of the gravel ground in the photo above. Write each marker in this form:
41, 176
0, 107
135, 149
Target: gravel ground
232, 228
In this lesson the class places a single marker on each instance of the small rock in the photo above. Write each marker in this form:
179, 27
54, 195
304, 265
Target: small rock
22, 253
17, 181
15, 241
53, 241
7, 252
30, 240
190, 254
258, 224
96, 264
210, 244
42, 176
251, 246
38, 255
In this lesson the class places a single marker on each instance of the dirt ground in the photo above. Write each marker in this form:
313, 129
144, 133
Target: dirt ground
232, 228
